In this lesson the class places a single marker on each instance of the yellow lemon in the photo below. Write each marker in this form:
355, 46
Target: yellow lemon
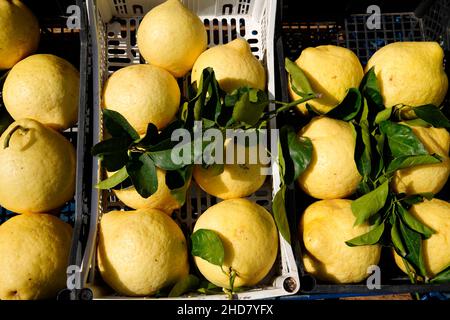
249, 237
143, 94
410, 73
324, 228
45, 88
428, 177
162, 199
332, 172
331, 71
19, 33
234, 66
38, 168
239, 179
34, 253
436, 215
140, 252
172, 37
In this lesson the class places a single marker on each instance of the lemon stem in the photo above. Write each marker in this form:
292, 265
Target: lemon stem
9, 135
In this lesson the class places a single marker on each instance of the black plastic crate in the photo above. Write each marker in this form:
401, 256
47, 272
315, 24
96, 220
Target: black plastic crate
71, 44
426, 20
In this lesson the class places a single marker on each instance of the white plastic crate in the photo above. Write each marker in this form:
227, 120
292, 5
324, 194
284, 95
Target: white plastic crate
113, 31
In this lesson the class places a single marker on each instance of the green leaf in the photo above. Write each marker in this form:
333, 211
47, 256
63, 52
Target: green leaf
413, 244
207, 287
363, 149
401, 139
113, 180
383, 115
5, 120
142, 171
417, 198
299, 82
178, 182
417, 123
411, 161
118, 126
397, 239
432, 115
370, 88
413, 223
151, 136
442, 277
186, 284
115, 161
111, 146
207, 245
369, 238
370, 203
379, 162
349, 108
296, 153
250, 106
163, 160
280, 215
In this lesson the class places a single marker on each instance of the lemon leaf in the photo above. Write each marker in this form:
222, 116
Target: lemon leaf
413, 245
111, 146
432, 115
401, 139
396, 238
369, 238
186, 284
296, 152
383, 115
349, 108
113, 180
142, 171
279, 213
370, 88
299, 82
442, 277
416, 198
413, 223
250, 106
370, 203
118, 126
114, 161
411, 161
207, 245
178, 183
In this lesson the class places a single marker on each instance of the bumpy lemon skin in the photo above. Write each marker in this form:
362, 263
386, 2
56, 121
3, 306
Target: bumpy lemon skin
410, 73
38, 168
172, 37
324, 227
331, 71
19, 33
234, 66
332, 172
250, 240
45, 88
143, 94
34, 252
139, 252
